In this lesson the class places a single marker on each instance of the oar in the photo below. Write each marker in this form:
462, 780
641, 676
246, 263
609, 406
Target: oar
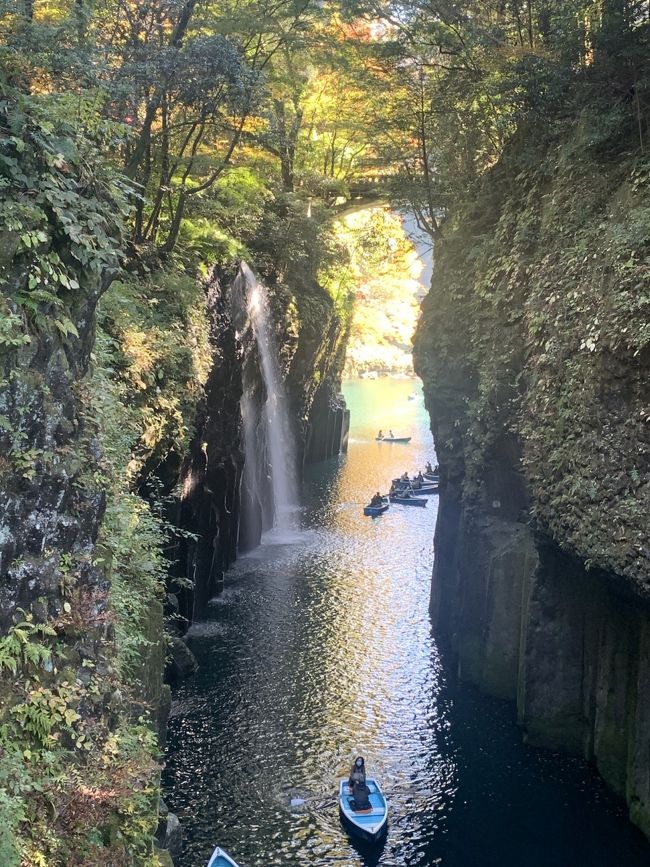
324, 801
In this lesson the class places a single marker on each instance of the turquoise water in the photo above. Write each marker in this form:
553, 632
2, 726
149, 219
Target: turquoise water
321, 648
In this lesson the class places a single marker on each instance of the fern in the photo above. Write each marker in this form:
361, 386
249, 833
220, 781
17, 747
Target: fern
20, 647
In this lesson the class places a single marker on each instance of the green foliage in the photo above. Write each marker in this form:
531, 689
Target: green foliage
16, 787
540, 309
133, 539
376, 290
66, 208
19, 647
56, 806
153, 354
11, 329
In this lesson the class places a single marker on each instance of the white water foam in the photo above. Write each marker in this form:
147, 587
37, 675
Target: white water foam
279, 436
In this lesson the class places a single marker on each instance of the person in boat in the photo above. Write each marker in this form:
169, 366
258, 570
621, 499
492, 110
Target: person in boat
380, 435
360, 800
357, 772
393, 490
377, 500
391, 435
436, 469
419, 478
404, 477
428, 468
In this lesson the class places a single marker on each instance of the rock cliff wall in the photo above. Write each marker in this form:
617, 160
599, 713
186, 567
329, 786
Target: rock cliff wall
75, 753
112, 391
219, 505
533, 348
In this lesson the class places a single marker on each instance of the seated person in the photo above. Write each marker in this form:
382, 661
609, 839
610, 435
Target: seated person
391, 435
380, 435
404, 477
360, 800
393, 490
377, 500
436, 469
357, 772
428, 468
420, 477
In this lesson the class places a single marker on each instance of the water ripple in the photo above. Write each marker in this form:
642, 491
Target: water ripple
320, 648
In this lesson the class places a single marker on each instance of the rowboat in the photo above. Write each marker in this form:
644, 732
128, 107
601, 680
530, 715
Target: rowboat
221, 859
373, 511
424, 490
432, 477
408, 501
393, 439
370, 825
416, 487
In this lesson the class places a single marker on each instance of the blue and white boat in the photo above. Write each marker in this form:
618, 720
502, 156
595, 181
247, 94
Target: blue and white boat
415, 487
369, 825
393, 439
221, 859
432, 477
404, 500
374, 511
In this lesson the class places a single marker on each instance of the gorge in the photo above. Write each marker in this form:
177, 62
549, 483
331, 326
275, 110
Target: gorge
199, 234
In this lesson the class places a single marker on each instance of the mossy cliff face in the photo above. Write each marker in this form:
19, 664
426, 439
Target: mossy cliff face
77, 744
314, 376
534, 348
118, 381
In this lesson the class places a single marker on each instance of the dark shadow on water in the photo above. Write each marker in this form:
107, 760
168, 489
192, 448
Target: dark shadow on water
369, 853
322, 647
523, 806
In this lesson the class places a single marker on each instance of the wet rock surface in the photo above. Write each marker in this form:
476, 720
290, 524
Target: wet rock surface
181, 661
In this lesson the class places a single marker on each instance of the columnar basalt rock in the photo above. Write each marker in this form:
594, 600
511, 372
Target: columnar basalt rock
211, 475
542, 575
48, 505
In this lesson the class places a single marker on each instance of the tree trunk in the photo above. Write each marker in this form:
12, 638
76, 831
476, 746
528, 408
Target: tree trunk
175, 227
142, 144
286, 163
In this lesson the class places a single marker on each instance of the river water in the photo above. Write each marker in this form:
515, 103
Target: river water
320, 648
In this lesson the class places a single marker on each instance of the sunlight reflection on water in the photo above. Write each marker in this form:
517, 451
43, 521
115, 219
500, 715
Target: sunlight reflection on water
320, 648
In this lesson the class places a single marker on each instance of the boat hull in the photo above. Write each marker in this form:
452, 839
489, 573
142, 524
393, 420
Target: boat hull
423, 490
371, 826
409, 501
221, 859
432, 477
393, 439
375, 511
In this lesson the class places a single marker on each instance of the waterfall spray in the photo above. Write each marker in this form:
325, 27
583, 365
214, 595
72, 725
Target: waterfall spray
281, 447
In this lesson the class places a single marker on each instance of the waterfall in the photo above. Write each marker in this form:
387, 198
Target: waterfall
281, 452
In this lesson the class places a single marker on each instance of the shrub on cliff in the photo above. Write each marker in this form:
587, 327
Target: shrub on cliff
537, 327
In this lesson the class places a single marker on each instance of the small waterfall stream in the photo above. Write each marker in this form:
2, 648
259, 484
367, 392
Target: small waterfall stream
281, 451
